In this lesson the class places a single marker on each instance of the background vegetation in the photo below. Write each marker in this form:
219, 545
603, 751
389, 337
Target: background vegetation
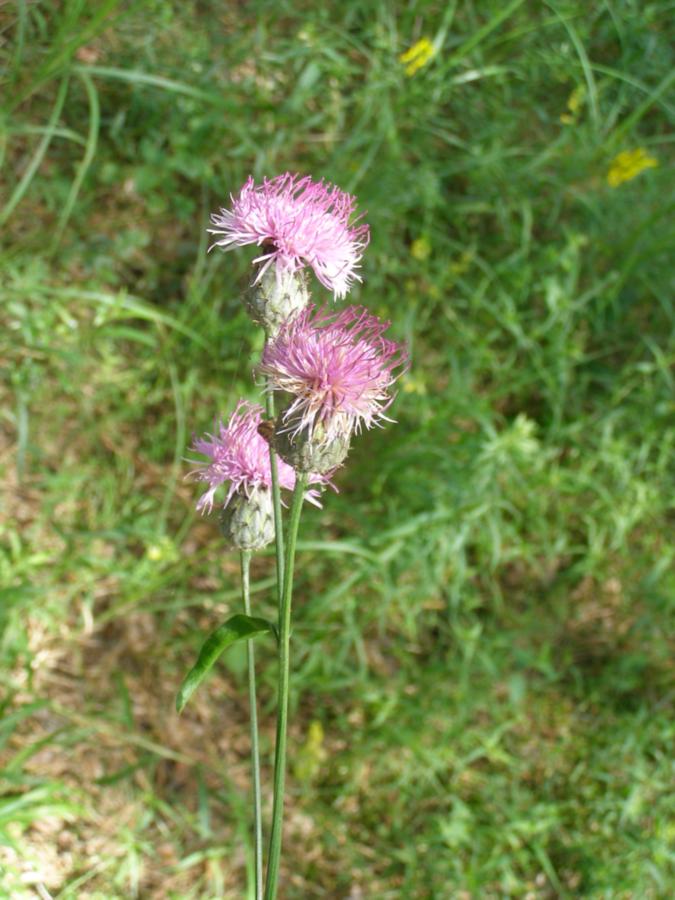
482, 681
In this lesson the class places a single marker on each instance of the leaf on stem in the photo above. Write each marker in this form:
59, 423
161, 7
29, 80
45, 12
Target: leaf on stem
238, 628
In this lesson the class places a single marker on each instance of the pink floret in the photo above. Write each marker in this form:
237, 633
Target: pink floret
338, 368
298, 222
240, 456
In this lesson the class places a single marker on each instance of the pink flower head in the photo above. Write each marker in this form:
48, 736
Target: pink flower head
298, 222
338, 367
239, 454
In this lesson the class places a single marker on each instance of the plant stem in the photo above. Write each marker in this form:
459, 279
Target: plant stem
276, 503
284, 677
255, 749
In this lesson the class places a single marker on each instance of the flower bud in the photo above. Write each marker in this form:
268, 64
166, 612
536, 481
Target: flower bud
309, 451
247, 522
277, 297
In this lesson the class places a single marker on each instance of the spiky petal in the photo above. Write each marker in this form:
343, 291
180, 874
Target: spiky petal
339, 369
239, 455
298, 222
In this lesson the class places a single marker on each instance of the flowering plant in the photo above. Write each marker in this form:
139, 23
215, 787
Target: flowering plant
298, 222
239, 455
336, 371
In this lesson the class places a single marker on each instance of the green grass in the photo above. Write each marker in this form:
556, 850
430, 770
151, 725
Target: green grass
484, 612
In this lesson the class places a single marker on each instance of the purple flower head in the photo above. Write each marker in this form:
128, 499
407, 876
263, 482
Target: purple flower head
239, 454
298, 222
338, 368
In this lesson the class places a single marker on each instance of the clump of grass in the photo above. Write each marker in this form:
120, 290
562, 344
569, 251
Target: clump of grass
486, 647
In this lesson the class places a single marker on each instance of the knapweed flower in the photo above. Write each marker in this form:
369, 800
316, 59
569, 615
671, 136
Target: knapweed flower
298, 222
417, 56
628, 164
239, 455
339, 370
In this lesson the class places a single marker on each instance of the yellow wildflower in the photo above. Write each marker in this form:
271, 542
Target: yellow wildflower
462, 265
420, 249
162, 550
414, 384
574, 103
311, 755
628, 164
417, 56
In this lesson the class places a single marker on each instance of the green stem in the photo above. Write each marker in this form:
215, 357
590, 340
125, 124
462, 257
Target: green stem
284, 678
276, 503
255, 749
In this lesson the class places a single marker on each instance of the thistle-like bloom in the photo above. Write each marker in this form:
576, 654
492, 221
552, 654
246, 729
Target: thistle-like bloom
239, 455
338, 368
298, 222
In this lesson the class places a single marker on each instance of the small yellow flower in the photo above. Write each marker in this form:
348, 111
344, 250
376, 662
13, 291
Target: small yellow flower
420, 249
462, 265
163, 550
311, 755
628, 164
574, 103
414, 384
417, 56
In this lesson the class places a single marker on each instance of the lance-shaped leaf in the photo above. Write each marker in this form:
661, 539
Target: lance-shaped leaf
238, 628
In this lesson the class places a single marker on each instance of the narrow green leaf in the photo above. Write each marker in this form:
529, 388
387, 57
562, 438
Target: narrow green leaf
38, 156
482, 33
135, 77
87, 159
238, 628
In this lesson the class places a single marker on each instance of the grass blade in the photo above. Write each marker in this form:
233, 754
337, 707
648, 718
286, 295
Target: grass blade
38, 156
143, 78
482, 33
89, 153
